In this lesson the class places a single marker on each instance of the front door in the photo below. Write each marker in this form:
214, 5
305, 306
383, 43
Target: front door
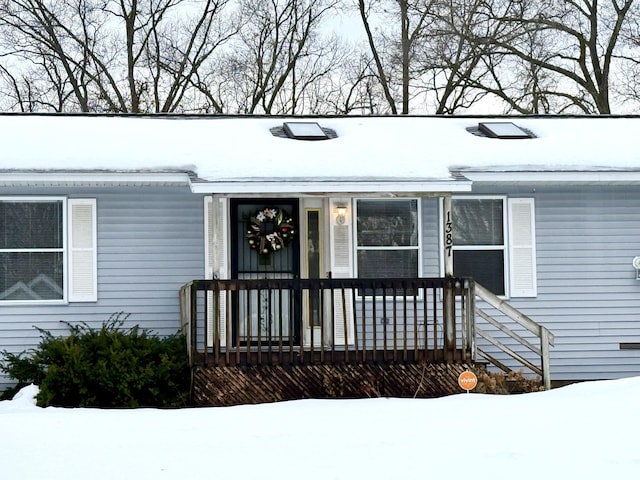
265, 245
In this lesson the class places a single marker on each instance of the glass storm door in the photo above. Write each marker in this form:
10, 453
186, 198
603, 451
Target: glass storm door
263, 249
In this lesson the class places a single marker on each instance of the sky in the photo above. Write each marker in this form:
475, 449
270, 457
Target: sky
585, 431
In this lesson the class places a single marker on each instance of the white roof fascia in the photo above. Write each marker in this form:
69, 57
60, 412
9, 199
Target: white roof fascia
329, 187
629, 177
92, 178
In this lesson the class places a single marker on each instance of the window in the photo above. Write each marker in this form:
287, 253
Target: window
387, 238
34, 254
494, 243
479, 241
31, 250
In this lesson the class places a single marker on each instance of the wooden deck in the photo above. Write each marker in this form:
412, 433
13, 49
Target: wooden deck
276, 339
256, 341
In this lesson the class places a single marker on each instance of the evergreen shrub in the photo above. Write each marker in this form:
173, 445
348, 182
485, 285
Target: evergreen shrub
110, 367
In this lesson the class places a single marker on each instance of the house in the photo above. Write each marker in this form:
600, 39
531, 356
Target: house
101, 214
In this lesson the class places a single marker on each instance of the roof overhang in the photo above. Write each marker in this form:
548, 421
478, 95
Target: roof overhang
92, 179
254, 186
631, 177
315, 187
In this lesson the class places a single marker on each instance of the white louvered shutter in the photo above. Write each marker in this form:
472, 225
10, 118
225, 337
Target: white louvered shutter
83, 259
217, 263
522, 247
341, 236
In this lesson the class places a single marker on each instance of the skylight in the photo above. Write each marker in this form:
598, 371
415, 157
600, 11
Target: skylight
304, 131
503, 130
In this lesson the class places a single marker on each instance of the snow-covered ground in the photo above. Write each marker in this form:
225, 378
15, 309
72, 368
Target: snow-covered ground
584, 431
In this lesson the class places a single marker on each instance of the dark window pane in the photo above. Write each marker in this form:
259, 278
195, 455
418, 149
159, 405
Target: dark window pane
31, 276
387, 263
32, 225
477, 222
387, 223
313, 243
485, 266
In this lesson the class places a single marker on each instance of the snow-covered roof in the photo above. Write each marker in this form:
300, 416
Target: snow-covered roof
240, 154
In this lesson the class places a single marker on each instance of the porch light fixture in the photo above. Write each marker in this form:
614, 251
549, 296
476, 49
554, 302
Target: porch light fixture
304, 131
503, 130
341, 213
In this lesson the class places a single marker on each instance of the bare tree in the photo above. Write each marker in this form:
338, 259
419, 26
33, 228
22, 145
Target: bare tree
571, 45
278, 58
393, 50
351, 88
429, 59
626, 78
117, 55
452, 64
34, 85
472, 66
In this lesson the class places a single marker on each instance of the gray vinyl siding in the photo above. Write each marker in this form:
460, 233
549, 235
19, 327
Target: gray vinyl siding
587, 296
150, 242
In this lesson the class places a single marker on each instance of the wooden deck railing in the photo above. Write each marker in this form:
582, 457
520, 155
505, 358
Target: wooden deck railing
298, 321
507, 340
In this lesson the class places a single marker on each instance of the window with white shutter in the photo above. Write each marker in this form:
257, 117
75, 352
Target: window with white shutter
46, 242
494, 243
479, 241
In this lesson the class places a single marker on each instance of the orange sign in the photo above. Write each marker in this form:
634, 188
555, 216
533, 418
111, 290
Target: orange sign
467, 380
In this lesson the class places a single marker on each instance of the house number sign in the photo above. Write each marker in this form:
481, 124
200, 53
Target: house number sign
448, 234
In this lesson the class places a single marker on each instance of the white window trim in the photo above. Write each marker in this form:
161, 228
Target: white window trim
417, 247
506, 248
65, 256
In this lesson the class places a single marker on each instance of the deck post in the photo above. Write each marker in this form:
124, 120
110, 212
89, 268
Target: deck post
193, 307
449, 293
470, 319
186, 319
545, 360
